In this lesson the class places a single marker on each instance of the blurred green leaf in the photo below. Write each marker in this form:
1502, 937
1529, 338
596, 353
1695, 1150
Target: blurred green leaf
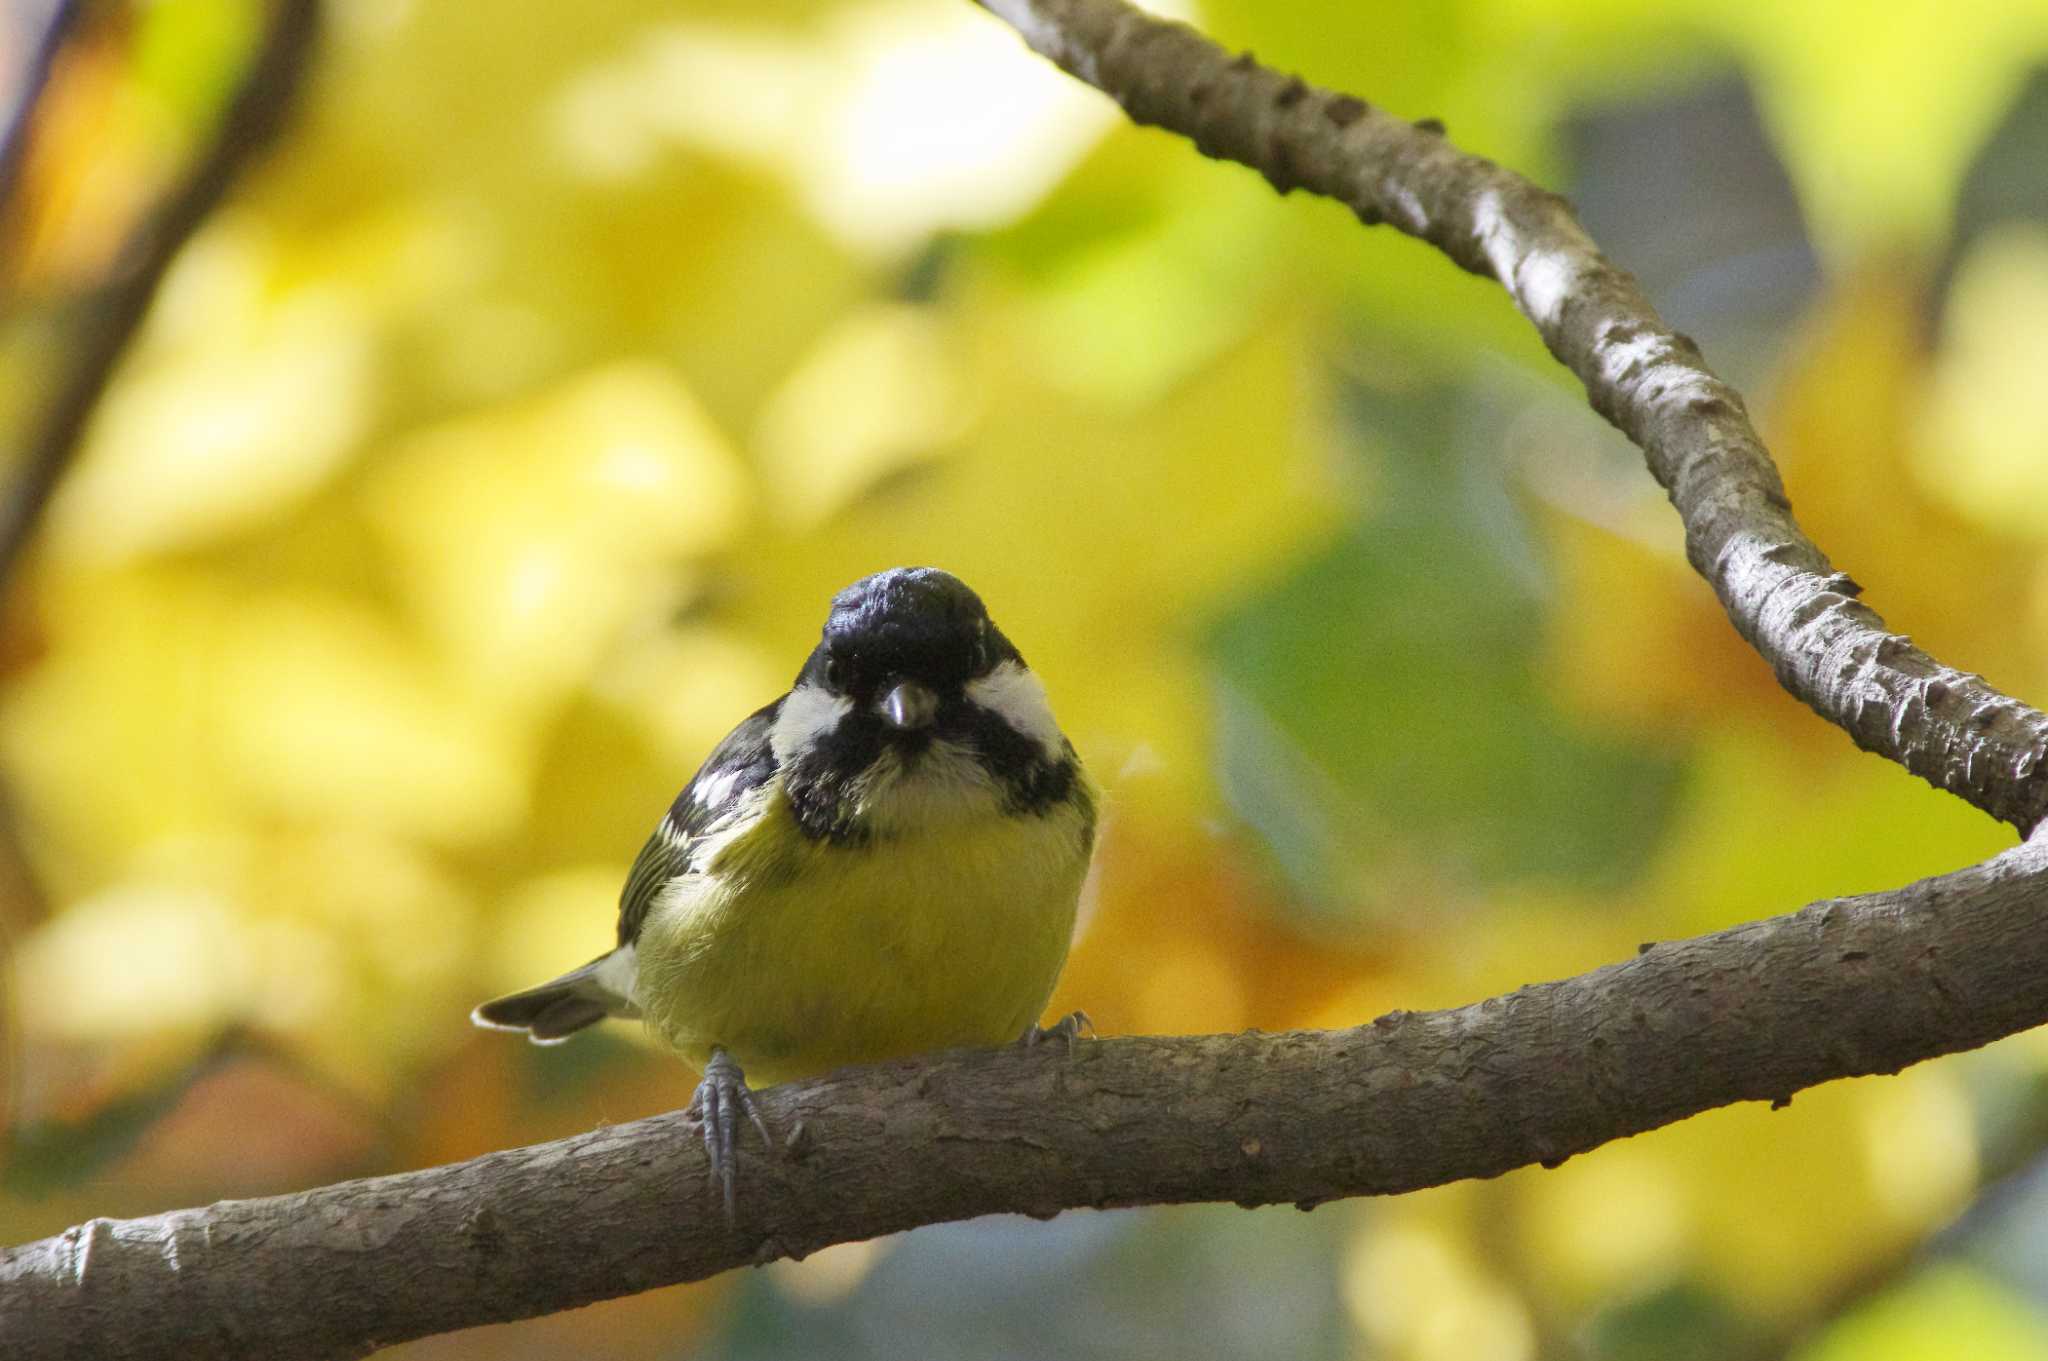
1949, 1311
1400, 665
50, 1155
189, 52
1683, 1322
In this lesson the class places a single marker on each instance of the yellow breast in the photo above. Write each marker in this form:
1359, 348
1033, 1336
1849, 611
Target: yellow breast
799, 955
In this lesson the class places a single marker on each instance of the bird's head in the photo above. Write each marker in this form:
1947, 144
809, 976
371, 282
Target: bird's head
911, 678
904, 646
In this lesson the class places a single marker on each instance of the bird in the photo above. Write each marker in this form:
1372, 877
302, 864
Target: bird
887, 860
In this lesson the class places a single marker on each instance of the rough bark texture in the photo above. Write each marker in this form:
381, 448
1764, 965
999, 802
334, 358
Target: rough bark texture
1840, 988
1827, 648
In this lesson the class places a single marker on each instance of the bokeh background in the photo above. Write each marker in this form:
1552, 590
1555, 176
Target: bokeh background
499, 443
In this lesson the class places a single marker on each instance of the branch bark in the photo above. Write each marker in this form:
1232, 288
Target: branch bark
1756, 1013
1840, 988
1827, 648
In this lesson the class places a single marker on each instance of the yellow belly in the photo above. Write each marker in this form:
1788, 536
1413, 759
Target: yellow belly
797, 955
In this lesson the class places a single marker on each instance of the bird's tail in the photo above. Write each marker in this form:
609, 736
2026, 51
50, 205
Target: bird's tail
557, 1009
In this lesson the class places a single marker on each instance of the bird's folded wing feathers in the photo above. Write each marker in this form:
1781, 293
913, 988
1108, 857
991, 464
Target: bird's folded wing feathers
743, 762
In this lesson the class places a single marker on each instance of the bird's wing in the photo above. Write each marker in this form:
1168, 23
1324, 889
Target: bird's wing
743, 762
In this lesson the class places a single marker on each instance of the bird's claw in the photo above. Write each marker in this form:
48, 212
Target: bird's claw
721, 1098
1069, 1028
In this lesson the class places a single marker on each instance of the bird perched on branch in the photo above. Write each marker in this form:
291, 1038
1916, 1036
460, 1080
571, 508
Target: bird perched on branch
884, 861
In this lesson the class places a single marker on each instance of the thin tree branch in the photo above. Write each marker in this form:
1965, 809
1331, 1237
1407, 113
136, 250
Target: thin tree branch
34, 76
20, 894
1756, 1013
107, 321
1827, 648
110, 316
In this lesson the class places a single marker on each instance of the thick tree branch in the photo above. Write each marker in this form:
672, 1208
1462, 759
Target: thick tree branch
109, 317
1827, 648
1756, 1013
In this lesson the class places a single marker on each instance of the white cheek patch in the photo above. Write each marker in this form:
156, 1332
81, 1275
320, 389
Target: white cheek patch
806, 715
1016, 695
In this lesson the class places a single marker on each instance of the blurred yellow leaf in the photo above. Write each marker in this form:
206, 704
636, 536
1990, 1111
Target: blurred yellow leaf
129, 687
524, 538
324, 712
134, 960
881, 392
689, 686
551, 924
1642, 607
1419, 1295
847, 111
1983, 439
206, 439
1609, 1225
1842, 427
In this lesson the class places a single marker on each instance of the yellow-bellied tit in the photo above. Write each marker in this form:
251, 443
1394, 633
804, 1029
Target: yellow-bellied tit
884, 861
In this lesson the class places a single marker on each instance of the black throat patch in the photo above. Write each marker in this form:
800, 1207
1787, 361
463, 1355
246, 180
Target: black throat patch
824, 783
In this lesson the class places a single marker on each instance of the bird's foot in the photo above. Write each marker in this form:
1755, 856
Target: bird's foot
720, 1099
1067, 1028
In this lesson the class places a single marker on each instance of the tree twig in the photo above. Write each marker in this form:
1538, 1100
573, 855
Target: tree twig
1756, 1013
1827, 648
35, 76
109, 317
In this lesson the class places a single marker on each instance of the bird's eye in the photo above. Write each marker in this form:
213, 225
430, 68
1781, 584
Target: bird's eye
835, 674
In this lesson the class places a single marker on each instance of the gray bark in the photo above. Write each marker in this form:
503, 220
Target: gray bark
1781, 592
1756, 1013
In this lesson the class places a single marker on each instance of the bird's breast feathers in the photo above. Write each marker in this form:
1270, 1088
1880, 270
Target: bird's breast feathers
947, 925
